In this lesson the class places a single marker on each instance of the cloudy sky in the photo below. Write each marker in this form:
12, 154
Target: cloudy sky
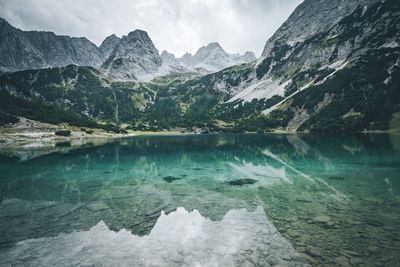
175, 25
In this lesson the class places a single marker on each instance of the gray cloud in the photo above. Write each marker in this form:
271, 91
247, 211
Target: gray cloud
177, 26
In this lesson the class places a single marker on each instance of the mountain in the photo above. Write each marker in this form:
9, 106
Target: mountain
108, 46
214, 58
359, 33
211, 58
309, 18
135, 57
339, 74
21, 50
132, 57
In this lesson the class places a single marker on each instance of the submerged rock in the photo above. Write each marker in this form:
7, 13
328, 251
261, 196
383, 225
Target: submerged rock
322, 219
314, 251
241, 182
374, 223
170, 179
342, 261
336, 178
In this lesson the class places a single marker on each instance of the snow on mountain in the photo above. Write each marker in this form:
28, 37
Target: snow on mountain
208, 59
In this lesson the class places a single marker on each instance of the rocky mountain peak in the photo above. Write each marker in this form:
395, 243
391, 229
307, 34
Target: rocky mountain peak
110, 39
134, 57
211, 48
108, 45
214, 45
309, 18
138, 36
167, 54
249, 56
3, 21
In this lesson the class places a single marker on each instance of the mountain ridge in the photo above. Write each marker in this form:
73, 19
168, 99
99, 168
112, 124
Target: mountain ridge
340, 78
41, 49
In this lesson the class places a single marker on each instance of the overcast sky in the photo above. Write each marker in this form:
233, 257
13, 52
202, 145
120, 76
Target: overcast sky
175, 25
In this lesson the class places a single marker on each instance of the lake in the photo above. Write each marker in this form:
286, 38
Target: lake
205, 200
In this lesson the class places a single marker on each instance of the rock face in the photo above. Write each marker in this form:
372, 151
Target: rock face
108, 45
309, 18
313, 36
134, 57
321, 43
16, 51
21, 50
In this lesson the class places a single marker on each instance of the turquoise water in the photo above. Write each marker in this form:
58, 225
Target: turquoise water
227, 200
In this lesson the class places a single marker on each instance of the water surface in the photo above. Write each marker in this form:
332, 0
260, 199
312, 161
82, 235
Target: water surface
223, 200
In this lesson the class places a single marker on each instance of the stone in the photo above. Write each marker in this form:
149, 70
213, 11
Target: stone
282, 264
241, 182
342, 261
314, 251
170, 179
356, 261
301, 249
373, 249
322, 219
353, 222
293, 233
307, 258
336, 178
374, 223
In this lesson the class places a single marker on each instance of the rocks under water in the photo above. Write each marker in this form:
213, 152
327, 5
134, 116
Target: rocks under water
241, 182
170, 179
61, 198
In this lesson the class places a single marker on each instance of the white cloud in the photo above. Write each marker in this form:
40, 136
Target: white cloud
177, 26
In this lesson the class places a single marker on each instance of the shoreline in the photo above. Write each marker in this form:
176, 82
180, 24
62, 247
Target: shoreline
28, 134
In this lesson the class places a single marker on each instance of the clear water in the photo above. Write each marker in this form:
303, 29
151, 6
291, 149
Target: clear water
207, 200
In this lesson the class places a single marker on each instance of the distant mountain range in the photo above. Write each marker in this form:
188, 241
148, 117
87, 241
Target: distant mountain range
333, 66
132, 57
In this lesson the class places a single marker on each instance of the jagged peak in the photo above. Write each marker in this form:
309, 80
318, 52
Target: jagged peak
138, 33
186, 55
109, 40
3, 21
249, 53
111, 37
214, 45
165, 53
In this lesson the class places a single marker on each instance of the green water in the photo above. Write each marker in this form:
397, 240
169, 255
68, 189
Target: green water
328, 199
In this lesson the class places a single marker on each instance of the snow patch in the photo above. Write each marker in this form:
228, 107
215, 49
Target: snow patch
365, 8
339, 65
387, 80
263, 89
269, 110
392, 44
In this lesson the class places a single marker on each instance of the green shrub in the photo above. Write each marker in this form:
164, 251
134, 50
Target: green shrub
6, 118
63, 133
